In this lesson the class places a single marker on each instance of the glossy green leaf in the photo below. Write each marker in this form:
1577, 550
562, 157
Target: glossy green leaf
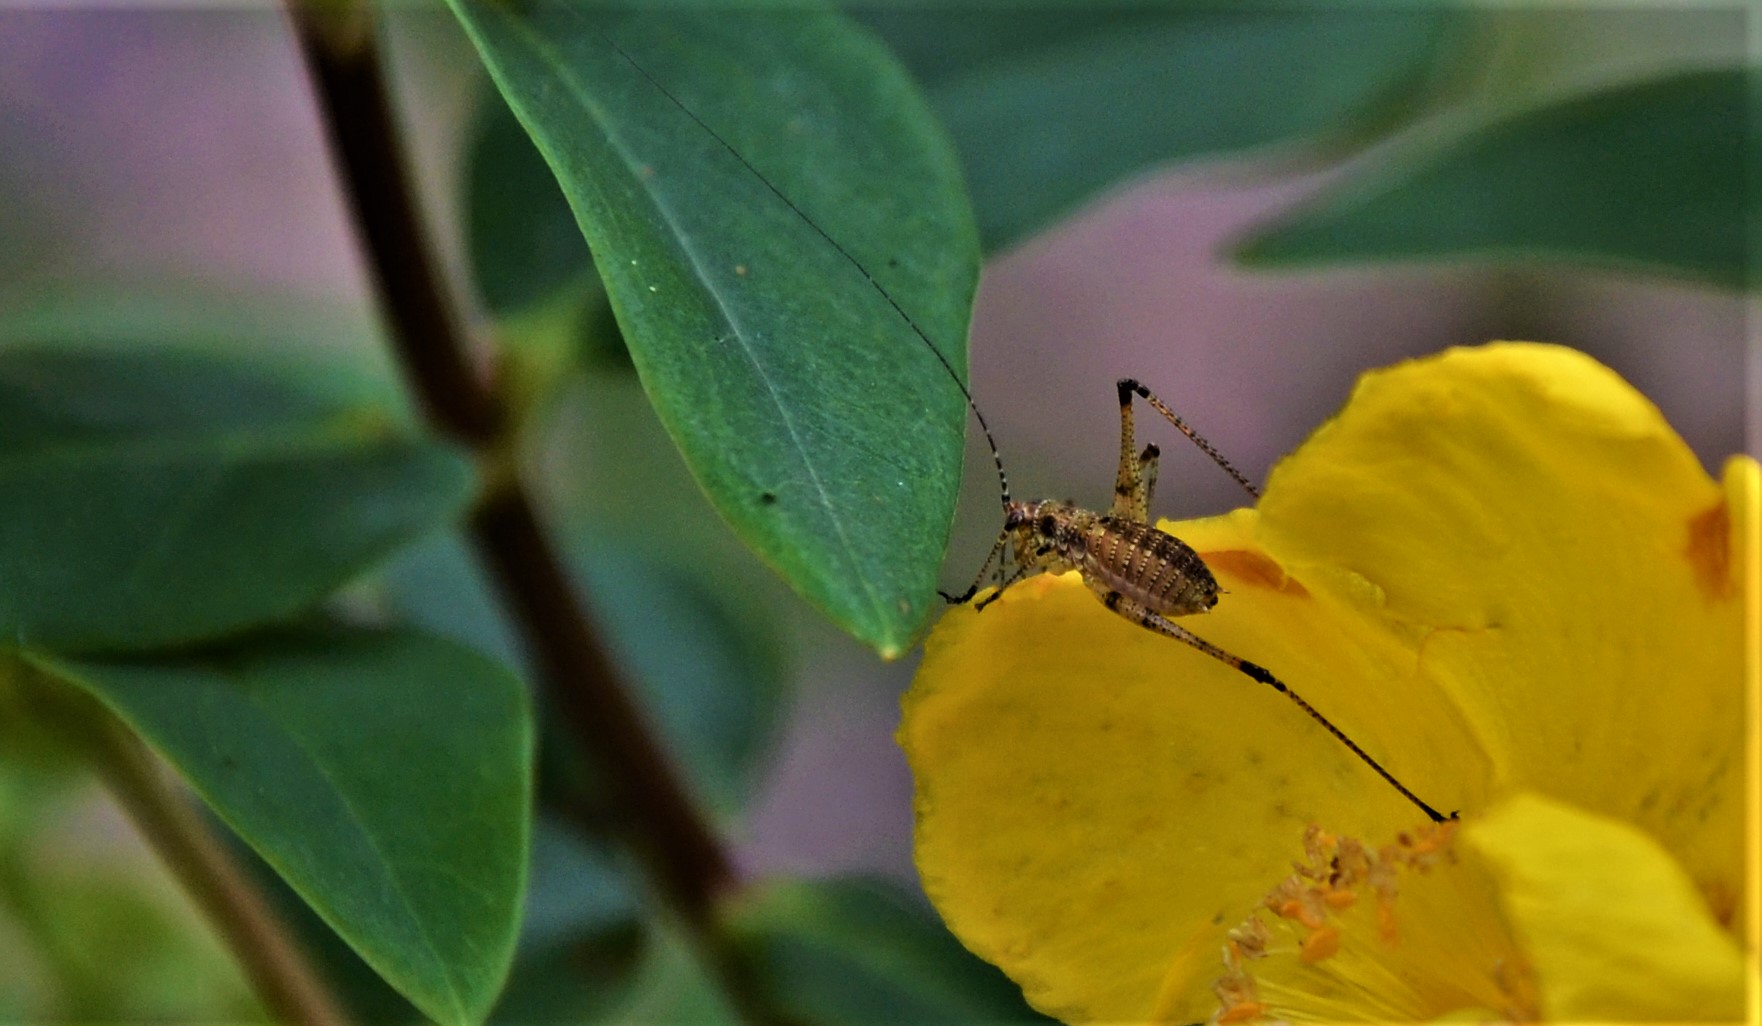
385, 776
1650, 176
1051, 104
712, 158
862, 951
160, 498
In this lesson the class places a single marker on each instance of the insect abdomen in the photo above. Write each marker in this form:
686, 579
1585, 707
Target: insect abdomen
1156, 570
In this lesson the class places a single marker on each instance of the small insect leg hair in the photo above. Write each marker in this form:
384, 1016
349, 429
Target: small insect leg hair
973, 589
1130, 386
1022, 570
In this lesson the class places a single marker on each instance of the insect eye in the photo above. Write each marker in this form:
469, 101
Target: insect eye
1048, 525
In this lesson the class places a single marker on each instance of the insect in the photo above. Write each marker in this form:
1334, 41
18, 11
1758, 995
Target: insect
1136, 570
1139, 572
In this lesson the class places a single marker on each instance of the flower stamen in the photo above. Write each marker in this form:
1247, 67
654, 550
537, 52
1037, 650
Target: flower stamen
1327, 882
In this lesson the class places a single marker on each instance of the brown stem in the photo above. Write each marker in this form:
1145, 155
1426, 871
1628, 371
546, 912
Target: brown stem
278, 970
650, 803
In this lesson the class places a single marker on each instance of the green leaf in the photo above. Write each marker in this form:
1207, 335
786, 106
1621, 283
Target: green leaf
861, 950
705, 671
1648, 176
673, 986
820, 425
636, 974
1049, 105
523, 241
160, 498
580, 950
385, 776
321, 348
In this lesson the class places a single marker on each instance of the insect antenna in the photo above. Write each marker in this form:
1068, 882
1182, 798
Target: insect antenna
966, 393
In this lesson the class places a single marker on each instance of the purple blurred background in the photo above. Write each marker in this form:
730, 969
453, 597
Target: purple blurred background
179, 149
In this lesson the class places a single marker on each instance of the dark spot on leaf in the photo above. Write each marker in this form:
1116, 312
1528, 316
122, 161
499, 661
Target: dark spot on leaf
768, 498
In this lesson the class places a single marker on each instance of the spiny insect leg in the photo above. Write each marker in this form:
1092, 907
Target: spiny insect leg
973, 589
1131, 500
1130, 386
1147, 461
1022, 570
1163, 625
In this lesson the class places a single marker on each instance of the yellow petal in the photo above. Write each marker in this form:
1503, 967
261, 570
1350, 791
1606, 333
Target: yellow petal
1098, 805
1569, 568
1613, 928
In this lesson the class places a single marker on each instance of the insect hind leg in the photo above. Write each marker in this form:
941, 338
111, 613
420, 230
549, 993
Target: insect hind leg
1130, 386
1136, 479
1254, 671
1147, 461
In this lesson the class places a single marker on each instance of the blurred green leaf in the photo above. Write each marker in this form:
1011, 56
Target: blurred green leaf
90, 932
1649, 176
523, 241
707, 674
581, 948
578, 890
820, 425
437, 586
320, 348
636, 974
161, 498
579, 938
531, 263
1049, 105
585, 982
862, 950
107, 946
672, 986
385, 775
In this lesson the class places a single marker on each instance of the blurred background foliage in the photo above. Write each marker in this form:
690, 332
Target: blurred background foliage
1243, 207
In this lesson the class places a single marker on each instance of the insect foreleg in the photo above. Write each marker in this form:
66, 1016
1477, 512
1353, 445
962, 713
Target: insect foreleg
1129, 387
1254, 671
1023, 569
973, 589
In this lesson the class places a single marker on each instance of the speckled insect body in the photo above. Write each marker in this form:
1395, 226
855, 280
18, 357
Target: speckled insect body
1137, 571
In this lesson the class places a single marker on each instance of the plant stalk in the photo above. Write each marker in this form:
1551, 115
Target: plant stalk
649, 803
284, 980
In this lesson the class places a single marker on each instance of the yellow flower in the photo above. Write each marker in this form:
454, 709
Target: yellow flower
1502, 574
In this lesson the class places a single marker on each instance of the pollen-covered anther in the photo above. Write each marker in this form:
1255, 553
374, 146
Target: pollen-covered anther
1321, 943
1238, 999
1333, 873
1247, 941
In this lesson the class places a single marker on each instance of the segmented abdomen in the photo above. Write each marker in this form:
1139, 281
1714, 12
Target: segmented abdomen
1156, 570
